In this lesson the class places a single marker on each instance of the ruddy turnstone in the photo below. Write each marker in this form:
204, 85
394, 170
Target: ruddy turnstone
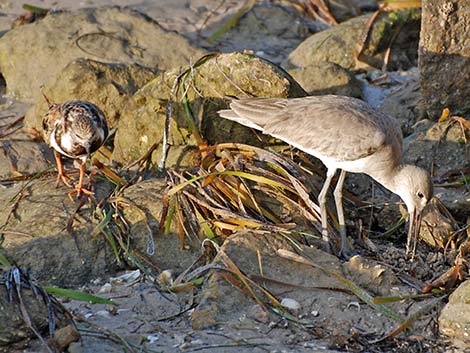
74, 129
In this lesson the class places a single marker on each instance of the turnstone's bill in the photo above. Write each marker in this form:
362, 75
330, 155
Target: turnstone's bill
74, 129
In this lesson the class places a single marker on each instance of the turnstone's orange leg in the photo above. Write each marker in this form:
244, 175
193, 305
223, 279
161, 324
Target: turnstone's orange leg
60, 169
80, 188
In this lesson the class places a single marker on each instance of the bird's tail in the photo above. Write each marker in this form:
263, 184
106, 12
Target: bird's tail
231, 115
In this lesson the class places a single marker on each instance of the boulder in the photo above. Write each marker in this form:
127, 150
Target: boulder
35, 218
271, 31
206, 84
32, 55
404, 104
454, 319
327, 78
343, 10
20, 157
108, 85
37, 237
143, 212
339, 44
444, 57
13, 326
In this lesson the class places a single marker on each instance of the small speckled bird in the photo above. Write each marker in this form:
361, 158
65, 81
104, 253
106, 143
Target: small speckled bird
74, 129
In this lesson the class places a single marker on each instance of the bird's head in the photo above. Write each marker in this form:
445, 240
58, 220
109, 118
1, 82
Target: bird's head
414, 186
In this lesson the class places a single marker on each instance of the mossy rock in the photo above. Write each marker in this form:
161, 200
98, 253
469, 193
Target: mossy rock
340, 43
32, 56
107, 85
207, 85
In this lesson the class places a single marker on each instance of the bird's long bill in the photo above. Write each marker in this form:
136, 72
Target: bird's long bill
413, 231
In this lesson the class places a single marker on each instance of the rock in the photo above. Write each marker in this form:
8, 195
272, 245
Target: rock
436, 228
64, 337
327, 78
374, 277
339, 43
291, 304
110, 34
454, 319
222, 301
20, 157
343, 10
13, 327
213, 78
456, 199
271, 31
35, 236
37, 226
108, 85
444, 57
404, 105
145, 203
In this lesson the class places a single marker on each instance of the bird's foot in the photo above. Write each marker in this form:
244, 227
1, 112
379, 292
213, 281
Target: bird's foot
62, 177
79, 190
346, 252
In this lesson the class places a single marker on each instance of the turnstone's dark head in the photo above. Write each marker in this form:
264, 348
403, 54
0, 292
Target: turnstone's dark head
75, 129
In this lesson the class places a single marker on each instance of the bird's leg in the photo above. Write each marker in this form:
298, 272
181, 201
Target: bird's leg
79, 189
60, 171
338, 194
322, 202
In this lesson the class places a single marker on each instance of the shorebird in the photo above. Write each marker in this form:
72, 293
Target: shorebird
74, 129
346, 134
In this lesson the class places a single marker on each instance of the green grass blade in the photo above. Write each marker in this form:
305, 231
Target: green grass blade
77, 295
4, 261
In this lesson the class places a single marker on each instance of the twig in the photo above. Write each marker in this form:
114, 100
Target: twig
166, 128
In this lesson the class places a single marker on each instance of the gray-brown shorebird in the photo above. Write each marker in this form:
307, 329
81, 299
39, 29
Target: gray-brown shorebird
74, 129
347, 134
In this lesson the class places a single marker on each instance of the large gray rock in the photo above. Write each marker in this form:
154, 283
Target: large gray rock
144, 210
327, 78
403, 104
36, 235
32, 55
271, 31
257, 257
13, 327
343, 10
339, 43
19, 157
108, 85
208, 83
454, 319
444, 57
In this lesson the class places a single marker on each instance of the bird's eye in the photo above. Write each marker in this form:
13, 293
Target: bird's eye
420, 195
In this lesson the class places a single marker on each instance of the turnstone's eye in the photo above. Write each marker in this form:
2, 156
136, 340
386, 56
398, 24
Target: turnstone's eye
419, 194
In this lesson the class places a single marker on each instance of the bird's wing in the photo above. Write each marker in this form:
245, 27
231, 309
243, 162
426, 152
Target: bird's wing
341, 128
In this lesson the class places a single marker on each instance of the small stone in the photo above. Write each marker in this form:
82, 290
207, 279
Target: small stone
165, 278
127, 277
103, 313
290, 304
106, 288
153, 338
63, 337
